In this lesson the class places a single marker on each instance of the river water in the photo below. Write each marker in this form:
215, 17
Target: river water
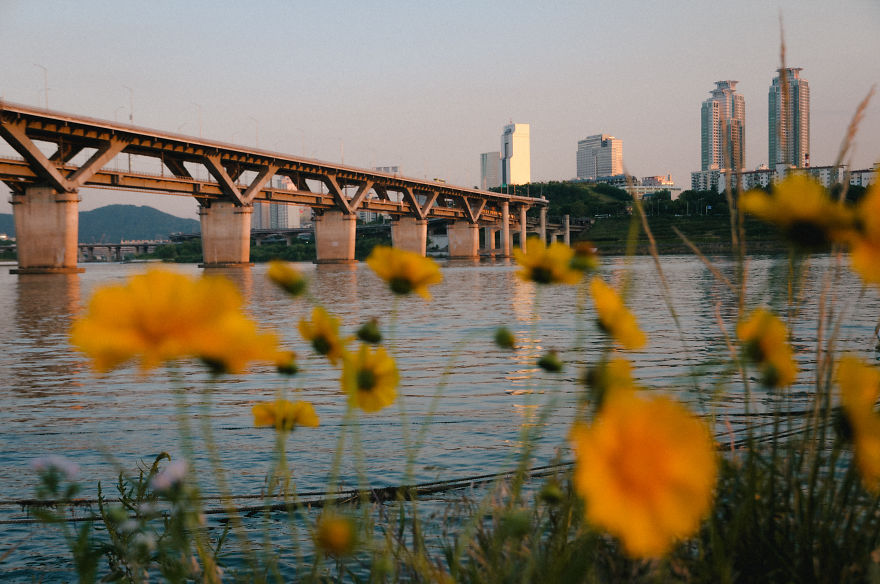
470, 398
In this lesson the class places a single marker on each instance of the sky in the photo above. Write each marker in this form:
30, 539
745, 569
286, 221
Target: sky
428, 86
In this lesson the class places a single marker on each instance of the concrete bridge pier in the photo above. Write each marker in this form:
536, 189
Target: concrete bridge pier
410, 234
505, 230
464, 240
46, 231
542, 228
523, 236
335, 233
226, 234
489, 236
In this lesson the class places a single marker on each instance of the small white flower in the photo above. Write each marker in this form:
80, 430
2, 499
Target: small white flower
66, 467
145, 541
170, 476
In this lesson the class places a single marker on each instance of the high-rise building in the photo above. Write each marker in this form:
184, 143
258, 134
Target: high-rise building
722, 128
516, 161
599, 155
789, 119
490, 166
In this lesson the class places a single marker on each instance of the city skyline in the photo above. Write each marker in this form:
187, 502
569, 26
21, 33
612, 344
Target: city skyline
578, 69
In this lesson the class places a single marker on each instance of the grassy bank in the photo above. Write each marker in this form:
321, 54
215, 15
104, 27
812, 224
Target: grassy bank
710, 233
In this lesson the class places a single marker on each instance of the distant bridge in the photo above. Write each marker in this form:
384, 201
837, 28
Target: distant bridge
45, 192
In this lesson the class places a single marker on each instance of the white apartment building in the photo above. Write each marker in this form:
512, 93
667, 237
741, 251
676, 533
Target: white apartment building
599, 155
516, 158
763, 177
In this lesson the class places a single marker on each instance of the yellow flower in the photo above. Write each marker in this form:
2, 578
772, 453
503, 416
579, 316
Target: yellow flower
865, 243
235, 342
801, 208
614, 317
646, 469
160, 316
285, 415
546, 265
405, 271
369, 377
766, 344
610, 377
335, 535
323, 332
859, 389
286, 277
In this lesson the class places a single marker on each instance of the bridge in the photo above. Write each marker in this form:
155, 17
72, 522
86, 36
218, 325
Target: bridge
45, 194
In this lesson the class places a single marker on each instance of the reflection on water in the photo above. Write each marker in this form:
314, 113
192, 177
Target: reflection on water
53, 404
40, 366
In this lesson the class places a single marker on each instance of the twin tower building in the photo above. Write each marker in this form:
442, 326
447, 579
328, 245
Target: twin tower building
723, 124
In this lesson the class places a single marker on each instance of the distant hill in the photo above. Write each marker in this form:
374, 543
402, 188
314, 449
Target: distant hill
113, 223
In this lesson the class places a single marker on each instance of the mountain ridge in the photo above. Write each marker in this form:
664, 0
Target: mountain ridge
113, 223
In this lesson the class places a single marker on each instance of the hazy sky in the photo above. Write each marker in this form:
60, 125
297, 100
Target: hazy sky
428, 86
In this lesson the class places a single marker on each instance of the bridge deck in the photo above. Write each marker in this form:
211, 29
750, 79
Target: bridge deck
239, 173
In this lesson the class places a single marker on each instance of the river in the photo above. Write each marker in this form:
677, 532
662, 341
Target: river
473, 396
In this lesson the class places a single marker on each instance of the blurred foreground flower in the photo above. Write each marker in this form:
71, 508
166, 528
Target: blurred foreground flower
170, 477
614, 317
609, 377
585, 258
405, 271
286, 277
859, 389
334, 535
646, 469
504, 338
369, 377
547, 265
285, 415
766, 344
160, 316
323, 332
56, 464
801, 208
865, 242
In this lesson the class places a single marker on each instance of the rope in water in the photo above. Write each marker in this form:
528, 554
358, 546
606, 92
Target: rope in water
319, 499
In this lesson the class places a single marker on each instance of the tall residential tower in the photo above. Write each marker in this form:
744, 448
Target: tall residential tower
789, 119
723, 128
516, 161
599, 155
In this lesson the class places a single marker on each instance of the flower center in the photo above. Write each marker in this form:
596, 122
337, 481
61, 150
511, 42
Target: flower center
366, 380
542, 275
321, 344
808, 234
400, 285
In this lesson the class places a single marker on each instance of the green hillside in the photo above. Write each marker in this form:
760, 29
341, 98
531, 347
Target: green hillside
113, 223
